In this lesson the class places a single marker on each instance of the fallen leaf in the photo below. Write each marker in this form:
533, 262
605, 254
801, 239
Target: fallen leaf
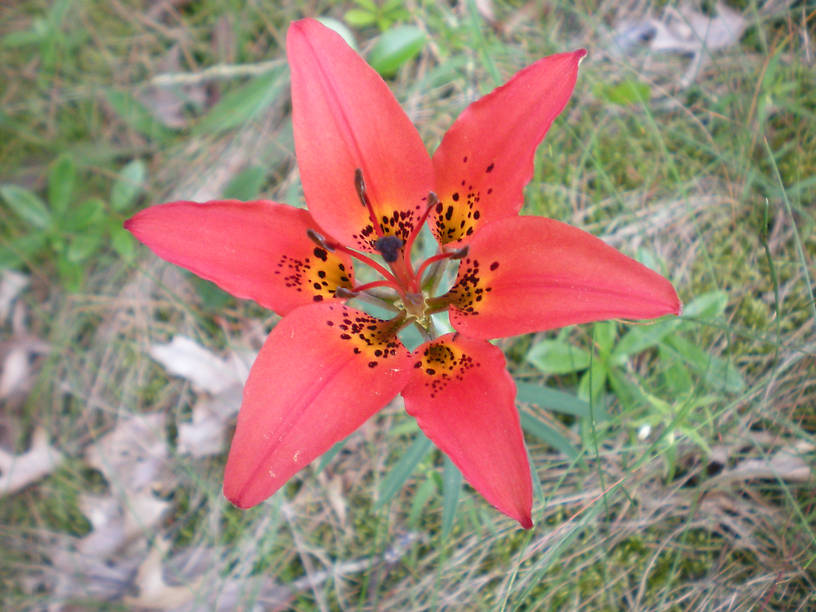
154, 592
11, 284
206, 434
132, 456
18, 471
205, 370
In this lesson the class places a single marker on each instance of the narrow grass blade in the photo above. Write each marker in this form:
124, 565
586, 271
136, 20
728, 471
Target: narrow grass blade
400, 473
451, 488
538, 428
557, 401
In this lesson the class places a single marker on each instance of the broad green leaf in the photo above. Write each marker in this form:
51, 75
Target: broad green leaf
642, 336
558, 357
403, 469
451, 488
551, 399
716, 372
368, 5
625, 93
395, 47
128, 186
211, 295
538, 428
359, 18
22, 249
91, 212
676, 375
137, 116
603, 336
341, 28
27, 205
244, 103
71, 274
22, 38
706, 306
246, 185
61, 182
592, 383
626, 392
82, 246
123, 242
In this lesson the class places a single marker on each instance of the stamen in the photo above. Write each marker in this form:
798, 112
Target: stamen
319, 240
324, 243
389, 247
432, 201
359, 186
455, 254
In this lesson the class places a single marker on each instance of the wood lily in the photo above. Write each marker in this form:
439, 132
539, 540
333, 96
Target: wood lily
370, 186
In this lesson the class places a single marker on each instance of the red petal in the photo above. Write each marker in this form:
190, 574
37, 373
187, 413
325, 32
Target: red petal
486, 157
464, 400
317, 378
254, 250
525, 274
345, 117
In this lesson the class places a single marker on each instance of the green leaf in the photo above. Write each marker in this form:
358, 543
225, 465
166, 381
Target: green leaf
557, 401
624, 93
83, 246
368, 5
603, 336
716, 372
341, 29
395, 47
403, 469
71, 274
593, 383
558, 357
421, 498
538, 428
246, 185
22, 249
90, 212
244, 103
641, 337
27, 205
128, 186
451, 488
123, 242
22, 38
330, 454
359, 18
137, 116
61, 182
707, 306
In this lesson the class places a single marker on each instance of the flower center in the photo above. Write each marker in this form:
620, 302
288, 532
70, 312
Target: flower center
409, 297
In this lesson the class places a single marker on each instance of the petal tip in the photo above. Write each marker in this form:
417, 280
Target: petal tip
526, 522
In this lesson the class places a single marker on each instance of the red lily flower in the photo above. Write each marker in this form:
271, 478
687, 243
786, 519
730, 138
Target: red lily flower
370, 185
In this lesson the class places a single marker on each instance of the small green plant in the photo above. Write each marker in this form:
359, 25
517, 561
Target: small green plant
369, 13
71, 232
397, 44
609, 361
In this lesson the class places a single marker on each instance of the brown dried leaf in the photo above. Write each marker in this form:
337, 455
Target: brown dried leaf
18, 471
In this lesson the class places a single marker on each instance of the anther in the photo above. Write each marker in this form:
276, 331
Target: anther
343, 293
459, 253
389, 247
319, 240
359, 185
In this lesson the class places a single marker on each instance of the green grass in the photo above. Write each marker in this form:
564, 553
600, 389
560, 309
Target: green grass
711, 184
